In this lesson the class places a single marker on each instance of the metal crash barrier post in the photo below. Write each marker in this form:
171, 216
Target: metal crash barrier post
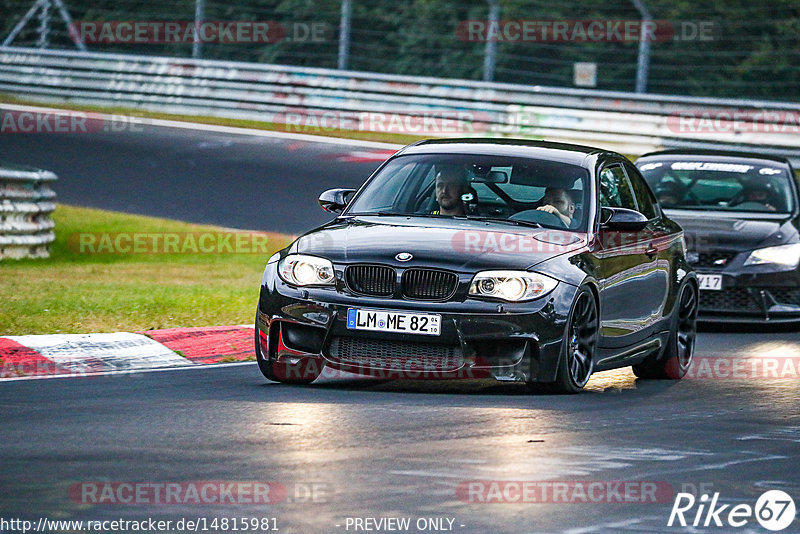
26, 205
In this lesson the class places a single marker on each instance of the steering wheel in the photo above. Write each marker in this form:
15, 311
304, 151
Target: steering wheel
737, 199
538, 216
751, 205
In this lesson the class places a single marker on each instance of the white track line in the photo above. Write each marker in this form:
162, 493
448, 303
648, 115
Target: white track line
135, 371
121, 117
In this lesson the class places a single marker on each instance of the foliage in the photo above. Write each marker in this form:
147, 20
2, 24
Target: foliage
752, 50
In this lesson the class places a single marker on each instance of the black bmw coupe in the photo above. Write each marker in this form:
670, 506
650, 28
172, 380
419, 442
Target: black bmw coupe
517, 260
741, 216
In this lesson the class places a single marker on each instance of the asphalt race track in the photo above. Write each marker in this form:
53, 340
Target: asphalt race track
248, 182
391, 449
357, 449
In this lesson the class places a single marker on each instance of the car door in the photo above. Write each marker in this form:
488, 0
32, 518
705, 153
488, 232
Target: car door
660, 244
630, 298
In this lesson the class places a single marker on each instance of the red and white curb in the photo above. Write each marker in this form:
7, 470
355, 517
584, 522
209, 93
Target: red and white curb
42, 356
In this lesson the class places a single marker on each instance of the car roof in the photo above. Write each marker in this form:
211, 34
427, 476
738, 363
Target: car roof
565, 152
721, 154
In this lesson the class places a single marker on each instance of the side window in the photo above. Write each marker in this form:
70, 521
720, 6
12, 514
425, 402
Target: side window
644, 197
615, 188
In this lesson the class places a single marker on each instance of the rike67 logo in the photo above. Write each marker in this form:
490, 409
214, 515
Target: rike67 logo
774, 510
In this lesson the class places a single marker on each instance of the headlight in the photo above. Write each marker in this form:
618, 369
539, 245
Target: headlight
302, 270
511, 285
785, 255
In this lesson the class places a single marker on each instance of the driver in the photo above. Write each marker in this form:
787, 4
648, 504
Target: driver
451, 183
761, 193
559, 203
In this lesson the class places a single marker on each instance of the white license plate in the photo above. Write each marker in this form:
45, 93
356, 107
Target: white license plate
710, 281
427, 324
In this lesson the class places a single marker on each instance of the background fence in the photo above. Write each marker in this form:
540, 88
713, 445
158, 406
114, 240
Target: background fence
731, 48
311, 100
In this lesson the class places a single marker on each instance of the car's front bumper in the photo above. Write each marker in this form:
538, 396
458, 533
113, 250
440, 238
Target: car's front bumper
752, 295
305, 328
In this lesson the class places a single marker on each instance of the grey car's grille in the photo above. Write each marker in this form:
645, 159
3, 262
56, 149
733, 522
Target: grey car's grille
741, 300
786, 296
729, 300
373, 280
429, 284
395, 355
713, 260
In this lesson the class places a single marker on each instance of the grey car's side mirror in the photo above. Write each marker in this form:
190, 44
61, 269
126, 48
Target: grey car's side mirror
335, 200
622, 219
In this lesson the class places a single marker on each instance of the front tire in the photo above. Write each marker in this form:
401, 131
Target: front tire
679, 352
578, 348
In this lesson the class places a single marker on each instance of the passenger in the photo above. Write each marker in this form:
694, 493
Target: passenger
669, 193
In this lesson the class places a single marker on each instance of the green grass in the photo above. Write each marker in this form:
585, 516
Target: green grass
73, 292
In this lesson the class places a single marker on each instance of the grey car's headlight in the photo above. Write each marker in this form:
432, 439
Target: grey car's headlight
785, 255
513, 286
302, 270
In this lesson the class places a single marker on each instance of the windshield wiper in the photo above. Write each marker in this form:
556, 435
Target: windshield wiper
515, 222
530, 224
394, 214
376, 214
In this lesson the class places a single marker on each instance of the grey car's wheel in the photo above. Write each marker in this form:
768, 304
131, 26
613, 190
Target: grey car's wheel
679, 351
576, 362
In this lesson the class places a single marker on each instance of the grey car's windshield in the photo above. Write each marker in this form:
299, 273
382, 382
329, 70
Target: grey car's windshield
720, 186
531, 192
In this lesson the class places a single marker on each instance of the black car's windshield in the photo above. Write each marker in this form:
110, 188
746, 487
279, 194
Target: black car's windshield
530, 192
704, 184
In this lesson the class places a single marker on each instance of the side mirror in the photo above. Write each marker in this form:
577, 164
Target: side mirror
335, 200
622, 219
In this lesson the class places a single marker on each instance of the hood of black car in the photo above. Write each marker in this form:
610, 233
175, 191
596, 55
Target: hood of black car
711, 232
454, 244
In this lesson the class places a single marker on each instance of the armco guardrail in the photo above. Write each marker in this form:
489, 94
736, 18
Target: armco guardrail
26, 202
628, 122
